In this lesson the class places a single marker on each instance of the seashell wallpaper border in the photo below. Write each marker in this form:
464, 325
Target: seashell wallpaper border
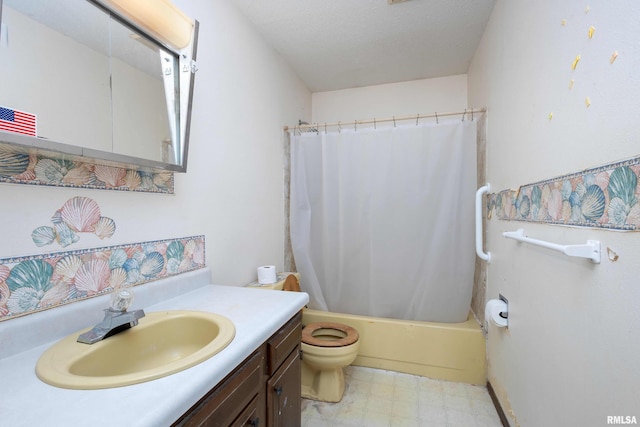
34, 283
603, 197
38, 169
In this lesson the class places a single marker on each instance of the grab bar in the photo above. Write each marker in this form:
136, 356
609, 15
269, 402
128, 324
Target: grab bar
590, 250
479, 250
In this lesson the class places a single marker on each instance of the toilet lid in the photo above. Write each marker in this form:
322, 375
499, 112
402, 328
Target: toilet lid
308, 338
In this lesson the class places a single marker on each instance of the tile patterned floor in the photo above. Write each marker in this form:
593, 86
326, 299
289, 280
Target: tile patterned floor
377, 398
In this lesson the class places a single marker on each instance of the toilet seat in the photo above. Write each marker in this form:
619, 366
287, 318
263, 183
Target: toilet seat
308, 338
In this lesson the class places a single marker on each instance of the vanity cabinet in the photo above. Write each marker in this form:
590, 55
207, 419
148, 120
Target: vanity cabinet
264, 390
283, 394
237, 401
283, 375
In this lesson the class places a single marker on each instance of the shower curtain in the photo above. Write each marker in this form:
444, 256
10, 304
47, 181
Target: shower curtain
382, 220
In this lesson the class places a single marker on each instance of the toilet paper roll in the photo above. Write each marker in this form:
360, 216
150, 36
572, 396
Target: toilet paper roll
496, 312
267, 274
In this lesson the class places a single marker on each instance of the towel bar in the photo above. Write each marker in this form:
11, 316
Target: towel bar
590, 250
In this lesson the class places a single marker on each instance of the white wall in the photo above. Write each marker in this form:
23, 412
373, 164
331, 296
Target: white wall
427, 96
233, 190
570, 356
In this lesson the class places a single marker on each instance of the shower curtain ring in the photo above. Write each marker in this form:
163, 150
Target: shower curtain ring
325, 128
437, 122
355, 126
394, 121
463, 114
472, 114
339, 128
374, 123
417, 118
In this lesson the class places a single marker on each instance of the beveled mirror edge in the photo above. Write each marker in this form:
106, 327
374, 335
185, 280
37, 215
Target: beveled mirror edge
35, 145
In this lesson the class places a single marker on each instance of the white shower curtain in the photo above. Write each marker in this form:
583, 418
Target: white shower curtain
382, 220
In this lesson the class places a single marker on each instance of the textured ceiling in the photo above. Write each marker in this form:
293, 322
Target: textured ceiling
338, 44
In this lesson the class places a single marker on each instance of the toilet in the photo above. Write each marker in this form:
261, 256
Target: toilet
326, 349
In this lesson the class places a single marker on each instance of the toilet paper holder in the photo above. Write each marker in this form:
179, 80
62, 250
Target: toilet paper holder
504, 314
497, 312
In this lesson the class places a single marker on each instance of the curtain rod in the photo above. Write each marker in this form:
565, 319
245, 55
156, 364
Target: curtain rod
374, 121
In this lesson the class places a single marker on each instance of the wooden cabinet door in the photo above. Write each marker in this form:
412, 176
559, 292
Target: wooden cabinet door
283, 393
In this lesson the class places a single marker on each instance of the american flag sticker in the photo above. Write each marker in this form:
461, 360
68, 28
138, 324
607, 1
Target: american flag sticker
17, 121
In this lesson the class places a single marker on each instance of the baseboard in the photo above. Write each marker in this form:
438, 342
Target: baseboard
496, 403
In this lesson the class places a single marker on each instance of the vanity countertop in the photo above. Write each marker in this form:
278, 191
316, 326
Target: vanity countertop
27, 401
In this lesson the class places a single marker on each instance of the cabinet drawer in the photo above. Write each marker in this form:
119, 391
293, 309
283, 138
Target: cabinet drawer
222, 405
251, 416
282, 343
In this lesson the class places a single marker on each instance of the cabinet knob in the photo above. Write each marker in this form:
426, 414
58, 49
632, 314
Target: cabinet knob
254, 422
278, 390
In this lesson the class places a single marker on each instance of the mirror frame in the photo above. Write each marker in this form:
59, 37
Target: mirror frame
58, 149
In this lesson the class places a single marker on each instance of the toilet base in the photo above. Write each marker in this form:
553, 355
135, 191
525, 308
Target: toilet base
325, 386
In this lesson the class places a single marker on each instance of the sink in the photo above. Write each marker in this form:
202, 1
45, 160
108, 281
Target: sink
161, 344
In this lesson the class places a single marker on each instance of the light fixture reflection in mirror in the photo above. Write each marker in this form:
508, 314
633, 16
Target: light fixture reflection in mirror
160, 18
169, 66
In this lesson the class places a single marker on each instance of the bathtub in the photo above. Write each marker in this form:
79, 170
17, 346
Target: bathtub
446, 351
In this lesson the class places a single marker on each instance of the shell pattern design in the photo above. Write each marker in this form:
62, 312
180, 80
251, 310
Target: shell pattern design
605, 197
77, 215
34, 283
18, 168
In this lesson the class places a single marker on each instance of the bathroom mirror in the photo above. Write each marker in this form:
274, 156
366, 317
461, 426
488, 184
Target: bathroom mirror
104, 87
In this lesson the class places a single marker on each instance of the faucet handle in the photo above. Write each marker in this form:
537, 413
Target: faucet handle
121, 300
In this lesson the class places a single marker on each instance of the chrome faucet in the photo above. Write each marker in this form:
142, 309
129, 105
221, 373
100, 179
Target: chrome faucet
116, 318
